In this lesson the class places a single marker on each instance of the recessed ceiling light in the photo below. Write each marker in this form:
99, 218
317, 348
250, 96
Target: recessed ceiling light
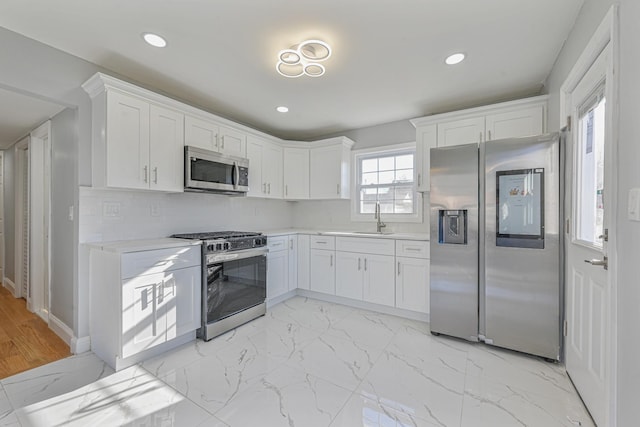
456, 58
154, 40
282, 109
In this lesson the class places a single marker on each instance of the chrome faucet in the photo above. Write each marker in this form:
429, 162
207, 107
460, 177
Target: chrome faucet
379, 224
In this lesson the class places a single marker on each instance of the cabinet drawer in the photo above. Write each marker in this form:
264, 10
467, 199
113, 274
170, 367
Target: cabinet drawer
412, 249
323, 242
277, 243
366, 245
157, 261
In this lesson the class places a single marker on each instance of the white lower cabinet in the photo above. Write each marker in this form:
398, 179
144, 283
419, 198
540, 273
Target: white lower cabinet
143, 300
304, 258
277, 266
323, 271
379, 280
412, 280
349, 275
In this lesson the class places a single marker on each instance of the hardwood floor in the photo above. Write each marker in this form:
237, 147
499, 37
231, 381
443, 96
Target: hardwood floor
26, 341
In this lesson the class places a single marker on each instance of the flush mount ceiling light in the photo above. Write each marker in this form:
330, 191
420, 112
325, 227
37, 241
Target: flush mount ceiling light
154, 40
303, 59
282, 109
454, 59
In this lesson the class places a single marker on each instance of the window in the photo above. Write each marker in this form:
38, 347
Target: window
386, 176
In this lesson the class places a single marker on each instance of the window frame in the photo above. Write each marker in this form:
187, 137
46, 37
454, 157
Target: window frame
381, 151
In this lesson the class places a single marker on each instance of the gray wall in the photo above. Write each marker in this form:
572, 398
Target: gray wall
9, 215
64, 150
626, 239
380, 135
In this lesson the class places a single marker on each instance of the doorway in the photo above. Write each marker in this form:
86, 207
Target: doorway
588, 99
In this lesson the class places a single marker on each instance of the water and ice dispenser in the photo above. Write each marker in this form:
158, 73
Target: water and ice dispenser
453, 227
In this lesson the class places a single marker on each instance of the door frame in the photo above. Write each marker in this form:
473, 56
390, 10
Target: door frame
605, 35
40, 220
21, 150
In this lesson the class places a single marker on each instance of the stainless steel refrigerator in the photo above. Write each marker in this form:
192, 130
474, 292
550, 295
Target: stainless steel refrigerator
495, 243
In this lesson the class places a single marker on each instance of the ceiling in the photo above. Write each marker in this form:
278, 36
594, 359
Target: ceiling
20, 114
387, 62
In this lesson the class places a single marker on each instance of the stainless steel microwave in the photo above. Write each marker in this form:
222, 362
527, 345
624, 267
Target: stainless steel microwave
206, 170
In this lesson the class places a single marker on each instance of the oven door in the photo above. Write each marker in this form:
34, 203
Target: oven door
236, 281
210, 171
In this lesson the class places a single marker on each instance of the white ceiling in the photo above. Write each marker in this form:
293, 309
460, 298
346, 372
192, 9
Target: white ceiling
20, 114
387, 62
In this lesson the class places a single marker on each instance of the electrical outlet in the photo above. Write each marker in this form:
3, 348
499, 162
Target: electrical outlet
155, 210
111, 209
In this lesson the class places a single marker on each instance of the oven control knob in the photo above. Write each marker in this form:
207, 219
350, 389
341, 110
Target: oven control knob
218, 246
210, 248
226, 246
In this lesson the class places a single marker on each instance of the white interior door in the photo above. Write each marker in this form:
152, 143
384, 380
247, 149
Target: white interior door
588, 289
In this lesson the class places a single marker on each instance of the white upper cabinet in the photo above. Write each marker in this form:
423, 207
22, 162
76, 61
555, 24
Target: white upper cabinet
296, 173
526, 117
166, 144
517, 123
142, 142
265, 168
209, 135
330, 162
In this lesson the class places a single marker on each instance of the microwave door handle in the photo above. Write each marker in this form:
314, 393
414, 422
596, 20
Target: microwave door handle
236, 175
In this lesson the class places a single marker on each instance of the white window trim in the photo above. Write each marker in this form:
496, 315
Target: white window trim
387, 218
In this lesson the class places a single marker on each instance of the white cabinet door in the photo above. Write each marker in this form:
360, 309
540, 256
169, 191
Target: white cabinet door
426, 139
325, 172
257, 187
127, 141
200, 133
296, 173
303, 256
232, 142
517, 123
293, 262
349, 275
460, 132
166, 149
277, 273
142, 327
272, 170
188, 307
323, 271
412, 284
379, 279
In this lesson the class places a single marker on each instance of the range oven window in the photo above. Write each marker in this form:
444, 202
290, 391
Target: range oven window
233, 286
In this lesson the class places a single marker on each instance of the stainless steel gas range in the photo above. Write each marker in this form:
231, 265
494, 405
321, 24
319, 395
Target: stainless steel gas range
234, 279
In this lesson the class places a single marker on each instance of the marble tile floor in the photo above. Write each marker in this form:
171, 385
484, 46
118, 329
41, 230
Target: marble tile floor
306, 363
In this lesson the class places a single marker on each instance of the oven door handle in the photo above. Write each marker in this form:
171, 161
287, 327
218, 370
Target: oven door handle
232, 256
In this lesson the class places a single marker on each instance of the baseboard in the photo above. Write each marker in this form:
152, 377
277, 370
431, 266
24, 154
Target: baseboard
61, 329
9, 285
408, 314
80, 345
277, 300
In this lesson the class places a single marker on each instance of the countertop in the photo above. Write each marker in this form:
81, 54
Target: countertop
123, 246
395, 236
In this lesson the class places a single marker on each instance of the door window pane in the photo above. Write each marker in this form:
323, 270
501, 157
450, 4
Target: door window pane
590, 183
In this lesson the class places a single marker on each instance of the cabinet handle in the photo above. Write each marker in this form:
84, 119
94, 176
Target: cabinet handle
160, 292
488, 135
155, 175
412, 249
419, 180
291, 244
269, 185
398, 268
264, 187
358, 264
365, 264
222, 145
217, 142
338, 189
146, 173
320, 242
286, 190
330, 260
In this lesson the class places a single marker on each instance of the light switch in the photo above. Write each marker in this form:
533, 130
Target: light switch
633, 210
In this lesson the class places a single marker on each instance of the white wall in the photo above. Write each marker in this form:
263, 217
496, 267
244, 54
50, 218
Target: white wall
8, 170
627, 234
